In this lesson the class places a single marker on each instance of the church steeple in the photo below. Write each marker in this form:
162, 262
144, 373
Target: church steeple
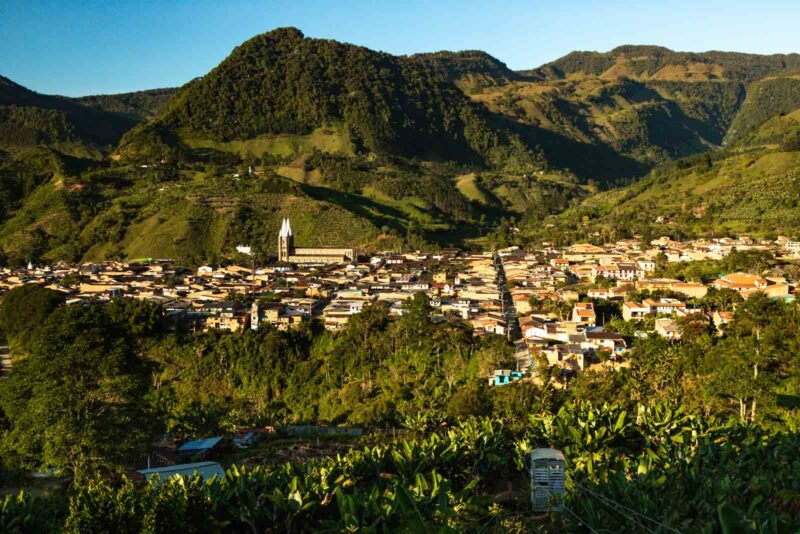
285, 241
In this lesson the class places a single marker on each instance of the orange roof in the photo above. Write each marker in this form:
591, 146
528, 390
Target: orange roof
743, 279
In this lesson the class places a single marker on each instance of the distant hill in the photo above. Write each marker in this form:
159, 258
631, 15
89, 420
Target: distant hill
470, 70
659, 63
140, 105
29, 119
649, 103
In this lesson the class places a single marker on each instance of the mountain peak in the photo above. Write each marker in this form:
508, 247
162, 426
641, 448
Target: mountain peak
287, 33
641, 49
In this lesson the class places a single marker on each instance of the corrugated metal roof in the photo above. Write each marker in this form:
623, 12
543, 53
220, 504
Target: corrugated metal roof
199, 444
205, 469
550, 454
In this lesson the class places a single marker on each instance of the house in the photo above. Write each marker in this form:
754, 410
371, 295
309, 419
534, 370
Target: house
489, 323
569, 357
667, 328
598, 293
634, 311
689, 289
610, 341
744, 283
664, 306
583, 312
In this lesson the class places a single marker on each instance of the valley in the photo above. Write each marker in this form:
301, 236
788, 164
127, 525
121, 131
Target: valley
320, 287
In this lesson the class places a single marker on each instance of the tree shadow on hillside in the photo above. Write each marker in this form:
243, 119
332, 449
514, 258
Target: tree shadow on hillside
362, 206
587, 161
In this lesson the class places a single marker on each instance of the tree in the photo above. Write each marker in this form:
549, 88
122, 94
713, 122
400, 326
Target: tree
469, 400
24, 309
693, 327
139, 317
75, 401
495, 352
733, 378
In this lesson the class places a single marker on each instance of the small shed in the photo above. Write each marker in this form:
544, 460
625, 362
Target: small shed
547, 480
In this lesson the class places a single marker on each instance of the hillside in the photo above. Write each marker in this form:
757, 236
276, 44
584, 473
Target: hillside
651, 104
659, 63
470, 70
29, 119
281, 83
752, 192
140, 105
62, 209
380, 151
127, 212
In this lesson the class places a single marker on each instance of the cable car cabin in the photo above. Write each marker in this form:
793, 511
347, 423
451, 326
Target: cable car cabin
547, 480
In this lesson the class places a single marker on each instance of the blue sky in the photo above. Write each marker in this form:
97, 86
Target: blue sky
82, 47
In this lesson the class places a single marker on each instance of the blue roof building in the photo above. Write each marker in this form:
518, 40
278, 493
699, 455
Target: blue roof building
199, 446
502, 377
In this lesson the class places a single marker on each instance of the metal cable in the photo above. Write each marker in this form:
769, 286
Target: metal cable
603, 497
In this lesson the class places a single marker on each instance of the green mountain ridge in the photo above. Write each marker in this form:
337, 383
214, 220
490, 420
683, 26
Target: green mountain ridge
649, 62
29, 119
139, 105
416, 150
283, 83
753, 192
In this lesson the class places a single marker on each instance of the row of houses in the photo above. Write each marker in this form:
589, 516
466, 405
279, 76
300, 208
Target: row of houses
283, 295
556, 329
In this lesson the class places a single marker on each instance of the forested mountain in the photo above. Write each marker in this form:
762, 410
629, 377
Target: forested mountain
30, 119
470, 69
659, 63
652, 104
140, 105
283, 83
417, 150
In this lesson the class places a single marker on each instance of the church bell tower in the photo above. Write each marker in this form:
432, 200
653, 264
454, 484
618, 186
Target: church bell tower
285, 241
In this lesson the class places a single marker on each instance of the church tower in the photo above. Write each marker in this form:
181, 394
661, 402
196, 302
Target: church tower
285, 241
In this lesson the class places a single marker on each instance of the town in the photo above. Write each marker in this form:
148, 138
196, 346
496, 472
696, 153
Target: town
548, 301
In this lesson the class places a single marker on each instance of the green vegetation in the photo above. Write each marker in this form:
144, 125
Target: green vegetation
728, 193
29, 119
697, 434
767, 99
283, 83
729, 478
72, 403
647, 61
139, 105
425, 150
24, 309
470, 70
